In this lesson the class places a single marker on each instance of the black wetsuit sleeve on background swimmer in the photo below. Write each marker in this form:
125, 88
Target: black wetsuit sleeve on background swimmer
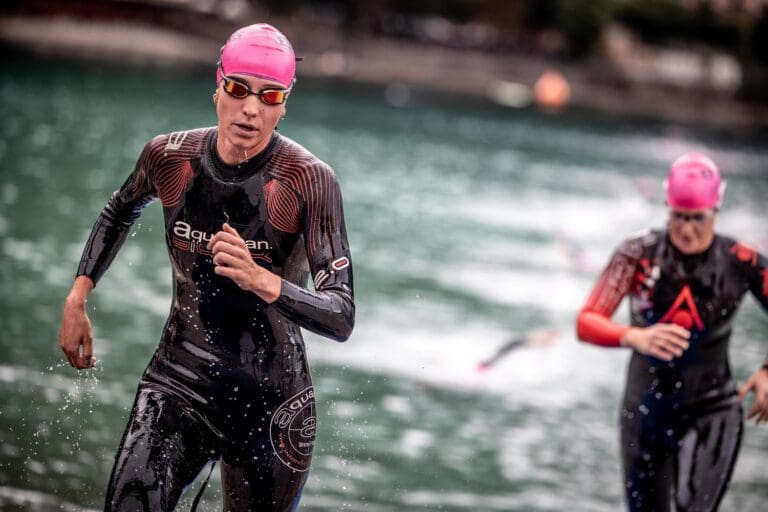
328, 310
757, 269
115, 221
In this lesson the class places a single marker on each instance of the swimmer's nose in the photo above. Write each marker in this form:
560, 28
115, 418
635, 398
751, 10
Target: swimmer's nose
251, 106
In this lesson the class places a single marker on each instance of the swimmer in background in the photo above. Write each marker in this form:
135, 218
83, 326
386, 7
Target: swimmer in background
681, 418
249, 215
535, 339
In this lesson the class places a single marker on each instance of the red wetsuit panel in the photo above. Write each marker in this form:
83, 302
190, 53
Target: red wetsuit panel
594, 324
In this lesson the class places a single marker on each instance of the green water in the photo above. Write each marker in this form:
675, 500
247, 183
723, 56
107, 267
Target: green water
468, 224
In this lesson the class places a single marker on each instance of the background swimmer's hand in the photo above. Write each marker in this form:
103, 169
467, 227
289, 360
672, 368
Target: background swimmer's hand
233, 260
758, 383
663, 341
76, 334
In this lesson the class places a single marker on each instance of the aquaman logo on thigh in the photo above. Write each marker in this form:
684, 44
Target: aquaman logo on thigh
292, 430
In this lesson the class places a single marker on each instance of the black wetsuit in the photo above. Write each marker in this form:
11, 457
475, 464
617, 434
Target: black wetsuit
681, 421
229, 379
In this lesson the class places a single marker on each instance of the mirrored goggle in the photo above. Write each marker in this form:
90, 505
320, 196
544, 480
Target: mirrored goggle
241, 91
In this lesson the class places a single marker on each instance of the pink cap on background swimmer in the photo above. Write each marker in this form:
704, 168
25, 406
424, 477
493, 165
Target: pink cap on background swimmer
258, 50
694, 183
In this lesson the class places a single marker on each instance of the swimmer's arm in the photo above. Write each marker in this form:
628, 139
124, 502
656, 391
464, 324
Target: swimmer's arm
75, 333
504, 350
594, 323
758, 383
330, 309
758, 280
107, 235
115, 220
663, 341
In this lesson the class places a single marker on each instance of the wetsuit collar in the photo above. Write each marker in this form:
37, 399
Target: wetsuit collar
687, 257
243, 170
687, 264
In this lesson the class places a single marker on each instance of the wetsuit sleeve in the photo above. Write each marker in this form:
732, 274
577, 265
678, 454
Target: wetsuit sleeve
115, 221
594, 323
756, 266
330, 309
758, 280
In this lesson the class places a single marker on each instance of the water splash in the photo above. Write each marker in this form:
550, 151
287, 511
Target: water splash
75, 410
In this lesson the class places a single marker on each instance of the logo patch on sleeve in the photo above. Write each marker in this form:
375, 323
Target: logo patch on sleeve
340, 263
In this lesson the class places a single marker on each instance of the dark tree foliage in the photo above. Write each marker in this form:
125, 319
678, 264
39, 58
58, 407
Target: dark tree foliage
583, 22
758, 40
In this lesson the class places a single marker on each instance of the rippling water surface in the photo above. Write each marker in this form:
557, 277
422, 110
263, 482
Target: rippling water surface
469, 225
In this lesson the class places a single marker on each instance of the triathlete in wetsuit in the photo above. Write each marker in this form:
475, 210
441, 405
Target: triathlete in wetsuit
681, 419
248, 214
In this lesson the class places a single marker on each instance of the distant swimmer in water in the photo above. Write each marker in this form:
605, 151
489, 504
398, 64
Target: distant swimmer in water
249, 214
535, 339
681, 418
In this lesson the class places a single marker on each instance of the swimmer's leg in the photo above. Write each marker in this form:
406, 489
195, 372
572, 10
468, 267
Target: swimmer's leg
266, 463
163, 449
261, 487
707, 456
648, 471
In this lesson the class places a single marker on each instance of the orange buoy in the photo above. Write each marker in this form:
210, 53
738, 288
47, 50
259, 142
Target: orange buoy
552, 91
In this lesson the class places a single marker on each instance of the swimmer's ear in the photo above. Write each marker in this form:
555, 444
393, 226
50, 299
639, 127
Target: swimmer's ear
215, 97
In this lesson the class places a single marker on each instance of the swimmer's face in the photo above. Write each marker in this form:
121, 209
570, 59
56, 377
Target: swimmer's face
245, 124
691, 231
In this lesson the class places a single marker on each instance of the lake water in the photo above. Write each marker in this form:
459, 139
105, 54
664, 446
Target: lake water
469, 225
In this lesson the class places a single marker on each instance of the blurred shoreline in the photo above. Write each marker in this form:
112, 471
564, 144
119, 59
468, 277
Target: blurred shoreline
506, 79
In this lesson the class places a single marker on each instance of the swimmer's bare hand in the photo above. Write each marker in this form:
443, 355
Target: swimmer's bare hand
75, 333
663, 341
758, 383
233, 260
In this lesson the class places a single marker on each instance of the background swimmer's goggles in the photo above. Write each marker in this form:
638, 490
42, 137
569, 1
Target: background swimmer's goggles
241, 91
691, 217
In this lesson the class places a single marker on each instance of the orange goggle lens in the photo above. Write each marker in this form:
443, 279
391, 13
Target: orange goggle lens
241, 91
272, 96
236, 89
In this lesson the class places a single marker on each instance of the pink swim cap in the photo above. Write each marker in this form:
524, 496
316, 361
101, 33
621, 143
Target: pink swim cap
258, 50
694, 183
